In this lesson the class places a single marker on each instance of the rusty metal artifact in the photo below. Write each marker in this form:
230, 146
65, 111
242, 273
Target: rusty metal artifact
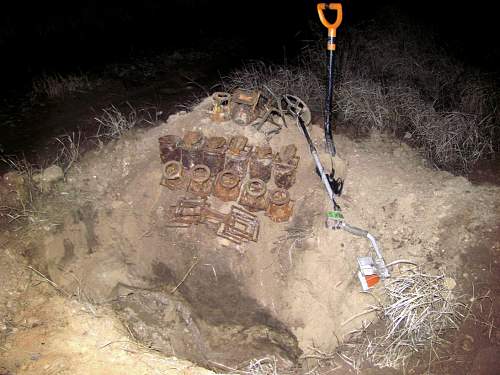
253, 195
220, 109
285, 168
170, 148
173, 176
200, 184
239, 226
243, 106
187, 212
238, 155
280, 206
214, 154
227, 186
261, 163
192, 149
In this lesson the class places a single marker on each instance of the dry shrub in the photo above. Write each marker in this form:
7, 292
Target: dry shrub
58, 86
394, 77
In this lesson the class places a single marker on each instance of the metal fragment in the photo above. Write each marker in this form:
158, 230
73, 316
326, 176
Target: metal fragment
253, 195
280, 206
173, 176
227, 186
200, 183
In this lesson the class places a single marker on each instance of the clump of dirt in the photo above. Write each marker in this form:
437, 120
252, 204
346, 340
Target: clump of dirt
188, 293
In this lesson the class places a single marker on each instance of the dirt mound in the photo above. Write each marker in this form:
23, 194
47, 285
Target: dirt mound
294, 289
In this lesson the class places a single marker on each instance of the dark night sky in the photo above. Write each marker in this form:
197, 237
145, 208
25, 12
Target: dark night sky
65, 35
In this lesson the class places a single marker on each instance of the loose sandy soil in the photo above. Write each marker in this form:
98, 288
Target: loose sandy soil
106, 243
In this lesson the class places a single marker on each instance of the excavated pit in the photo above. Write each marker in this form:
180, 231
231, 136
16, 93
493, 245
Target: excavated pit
190, 294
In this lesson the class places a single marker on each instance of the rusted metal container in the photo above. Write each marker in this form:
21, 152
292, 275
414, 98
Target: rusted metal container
192, 149
227, 186
280, 206
285, 167
214, 154
238, 155
243, 106
261, 163
173, 176
220, 109
253, 195
170, 148
200, 184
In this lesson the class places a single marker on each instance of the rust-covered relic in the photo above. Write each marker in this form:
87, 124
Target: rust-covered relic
192, 149
227, 186
170, 148
239, 226
285, 168
200, 183
253, 195
214, 154
173, 176
261, 163
187, 212
243, 106
220, 109
280, 206
238, 155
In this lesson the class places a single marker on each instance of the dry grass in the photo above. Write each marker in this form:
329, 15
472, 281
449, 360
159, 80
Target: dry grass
393, 77
114, 123
58, 86
418, 310
68, 151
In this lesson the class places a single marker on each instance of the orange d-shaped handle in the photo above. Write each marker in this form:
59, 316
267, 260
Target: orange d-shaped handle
332, 27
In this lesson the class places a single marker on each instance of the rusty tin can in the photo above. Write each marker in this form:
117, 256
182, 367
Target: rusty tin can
214, 154
285, 167
238, 155
173, 176
192, 149
243, 106
280, 206
261, 163
253, 195
220, 109
227, 186
200, 183
170, 148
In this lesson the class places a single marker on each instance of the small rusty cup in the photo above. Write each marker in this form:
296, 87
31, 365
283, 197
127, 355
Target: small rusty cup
227, 186
170, 148
200, 184
261, 163
173, 176
280, 206
214, 154
238, 155
220, 109
253, 195
192, 149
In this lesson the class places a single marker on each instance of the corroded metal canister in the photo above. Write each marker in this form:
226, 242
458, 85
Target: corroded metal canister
220, 109
285, 168
253, 195
200, 183
192, 149
243, 106
261, 163
280, 206
214, 154
173, 176
238, 155
227, 186
170, 148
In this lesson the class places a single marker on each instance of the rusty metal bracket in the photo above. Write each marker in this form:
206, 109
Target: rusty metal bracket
240, 226
187, 212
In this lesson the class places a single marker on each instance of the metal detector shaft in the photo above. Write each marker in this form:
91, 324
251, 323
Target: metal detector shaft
319, 166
